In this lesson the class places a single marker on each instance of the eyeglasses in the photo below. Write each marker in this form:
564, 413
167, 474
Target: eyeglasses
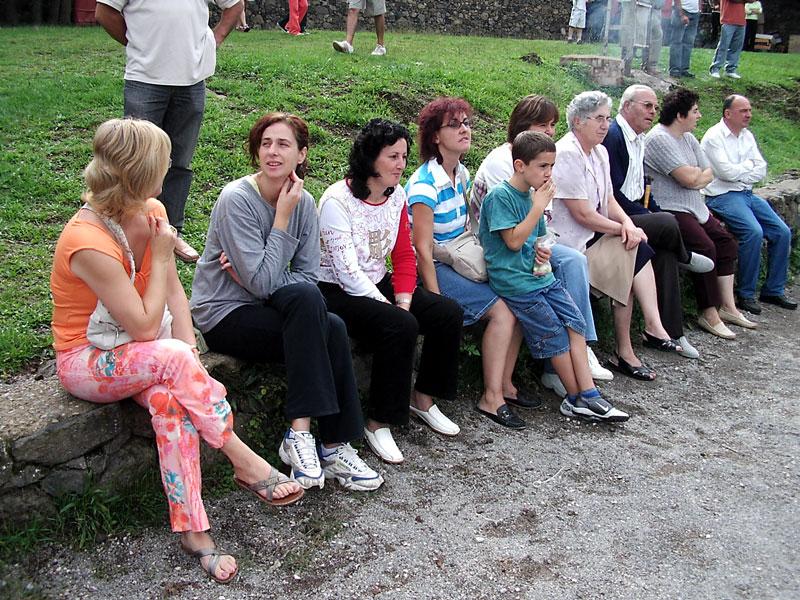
454, 124
600, 119
647, 105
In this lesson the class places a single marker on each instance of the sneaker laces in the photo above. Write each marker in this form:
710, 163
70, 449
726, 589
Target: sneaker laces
303, 444
349, 456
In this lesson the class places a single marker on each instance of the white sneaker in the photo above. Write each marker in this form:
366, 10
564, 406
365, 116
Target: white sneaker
379, 50
688, 351
599, 372
343, 46
714, 74
299, 451
552, 382
435, 419
732, 74
343, 464
382, 444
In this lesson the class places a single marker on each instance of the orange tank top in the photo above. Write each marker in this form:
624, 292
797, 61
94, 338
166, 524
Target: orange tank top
73, 300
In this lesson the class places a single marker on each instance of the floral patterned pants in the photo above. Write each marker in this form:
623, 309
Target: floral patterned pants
185, 403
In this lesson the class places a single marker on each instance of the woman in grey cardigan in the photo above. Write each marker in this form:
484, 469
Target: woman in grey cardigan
255, 296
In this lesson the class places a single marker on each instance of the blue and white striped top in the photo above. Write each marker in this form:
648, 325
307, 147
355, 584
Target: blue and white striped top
430, 185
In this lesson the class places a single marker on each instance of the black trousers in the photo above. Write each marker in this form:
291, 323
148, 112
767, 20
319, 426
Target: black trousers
390, 333
664, 236
294, 327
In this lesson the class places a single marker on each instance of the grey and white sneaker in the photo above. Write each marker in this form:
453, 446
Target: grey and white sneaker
379, 50
595, 408
299, 451
343, 46
343, 464
552, 382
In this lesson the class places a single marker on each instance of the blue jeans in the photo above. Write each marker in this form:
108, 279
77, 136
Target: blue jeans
680, 50
572, 270
544, 316
731, 40
178, 110
750, 219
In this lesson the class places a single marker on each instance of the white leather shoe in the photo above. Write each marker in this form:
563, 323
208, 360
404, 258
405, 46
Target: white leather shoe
552, 382
599, 372
382, 444
434, 418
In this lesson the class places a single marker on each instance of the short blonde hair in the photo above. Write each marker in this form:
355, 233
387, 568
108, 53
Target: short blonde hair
130, 160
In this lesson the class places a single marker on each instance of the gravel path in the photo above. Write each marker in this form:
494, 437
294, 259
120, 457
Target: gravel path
695, 497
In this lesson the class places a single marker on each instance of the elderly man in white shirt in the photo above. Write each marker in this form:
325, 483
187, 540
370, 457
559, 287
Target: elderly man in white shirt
737, 164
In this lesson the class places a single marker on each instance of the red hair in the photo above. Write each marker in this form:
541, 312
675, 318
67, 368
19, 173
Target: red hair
432, 118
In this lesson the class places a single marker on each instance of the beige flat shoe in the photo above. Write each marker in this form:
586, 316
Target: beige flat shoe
185, 252
719, 330
739, 319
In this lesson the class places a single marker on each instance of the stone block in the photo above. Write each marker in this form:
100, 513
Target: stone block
783, 195
137, 419
21, 505
125, 466
603, 70
65, 481
6, 464
70, 438
26, 476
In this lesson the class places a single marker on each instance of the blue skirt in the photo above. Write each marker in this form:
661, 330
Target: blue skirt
475, 298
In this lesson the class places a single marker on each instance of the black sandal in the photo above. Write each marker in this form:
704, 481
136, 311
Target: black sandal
667, 345
643, 372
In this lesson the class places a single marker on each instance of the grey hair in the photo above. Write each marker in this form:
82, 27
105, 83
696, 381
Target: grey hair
630, 93
584, 104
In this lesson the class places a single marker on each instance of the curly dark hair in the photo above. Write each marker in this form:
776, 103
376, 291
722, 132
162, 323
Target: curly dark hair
431, 119
374, 137
295, 123
677, 102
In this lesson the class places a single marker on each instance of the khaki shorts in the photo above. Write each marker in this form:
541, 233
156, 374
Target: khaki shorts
370, 8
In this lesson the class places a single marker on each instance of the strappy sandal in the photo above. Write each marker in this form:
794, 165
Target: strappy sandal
269, 484
643, 372
667, 345
211, 567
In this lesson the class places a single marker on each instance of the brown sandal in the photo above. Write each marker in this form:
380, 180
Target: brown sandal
269, 484
212, 565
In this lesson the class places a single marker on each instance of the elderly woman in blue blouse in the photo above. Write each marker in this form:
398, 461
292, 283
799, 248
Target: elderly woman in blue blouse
437, 202
585, 213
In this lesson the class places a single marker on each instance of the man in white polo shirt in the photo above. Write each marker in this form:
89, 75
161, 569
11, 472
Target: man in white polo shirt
170, 51
737, 164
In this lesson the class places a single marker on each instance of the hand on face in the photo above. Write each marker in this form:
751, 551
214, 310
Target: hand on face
544, 195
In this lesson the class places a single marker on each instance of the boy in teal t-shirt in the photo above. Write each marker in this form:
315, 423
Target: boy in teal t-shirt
511, 220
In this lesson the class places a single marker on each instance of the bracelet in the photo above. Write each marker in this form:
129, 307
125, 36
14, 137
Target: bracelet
403, 302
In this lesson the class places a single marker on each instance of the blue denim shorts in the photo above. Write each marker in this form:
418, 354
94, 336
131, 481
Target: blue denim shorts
475, 298
544, 316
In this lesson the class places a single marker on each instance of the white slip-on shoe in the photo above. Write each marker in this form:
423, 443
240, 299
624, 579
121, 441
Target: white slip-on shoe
343, 46
718, 330
688, 351
698, 263
434, 418
599, 372
552, 382
382, 443
733, 319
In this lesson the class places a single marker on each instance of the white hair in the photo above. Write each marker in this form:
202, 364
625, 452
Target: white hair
630, 93
584, 104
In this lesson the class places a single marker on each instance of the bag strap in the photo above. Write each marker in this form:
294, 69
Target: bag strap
471, 220
118, 233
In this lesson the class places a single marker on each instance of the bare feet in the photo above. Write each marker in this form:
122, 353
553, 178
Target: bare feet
225, 569
421, 401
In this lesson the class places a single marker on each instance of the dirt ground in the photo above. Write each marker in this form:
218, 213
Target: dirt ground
695, 497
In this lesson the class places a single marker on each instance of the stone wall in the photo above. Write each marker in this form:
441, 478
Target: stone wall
502, 18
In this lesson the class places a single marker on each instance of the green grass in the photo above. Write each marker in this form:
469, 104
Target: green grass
58, 84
